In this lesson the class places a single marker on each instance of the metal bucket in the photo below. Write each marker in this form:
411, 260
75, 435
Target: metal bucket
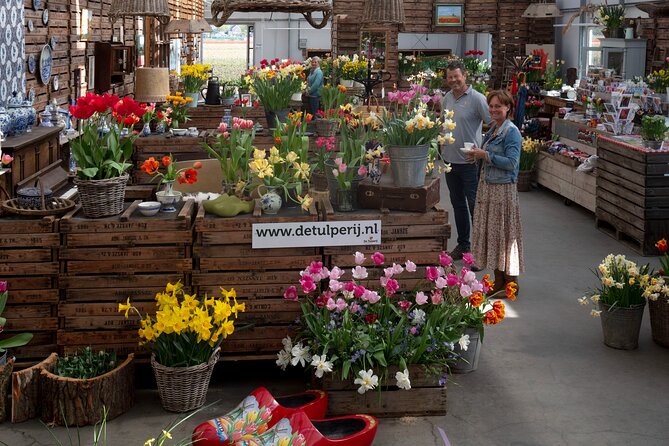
468, 360
621, 325
341, 200
408, 164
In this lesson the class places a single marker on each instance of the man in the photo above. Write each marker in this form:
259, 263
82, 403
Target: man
470, 110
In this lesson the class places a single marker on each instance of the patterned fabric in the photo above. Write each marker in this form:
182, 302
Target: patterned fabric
12, 50
497, 239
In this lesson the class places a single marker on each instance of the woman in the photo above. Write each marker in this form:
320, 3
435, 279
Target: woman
315, 83
497, 236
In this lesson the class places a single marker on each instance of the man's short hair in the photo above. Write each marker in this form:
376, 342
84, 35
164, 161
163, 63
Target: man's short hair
456, 65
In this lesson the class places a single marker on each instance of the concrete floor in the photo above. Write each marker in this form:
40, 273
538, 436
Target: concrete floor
544, 379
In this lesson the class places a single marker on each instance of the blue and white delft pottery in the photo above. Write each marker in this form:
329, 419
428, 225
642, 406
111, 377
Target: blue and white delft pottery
32, 64
270, 202
5, 121
45, 64
146, 130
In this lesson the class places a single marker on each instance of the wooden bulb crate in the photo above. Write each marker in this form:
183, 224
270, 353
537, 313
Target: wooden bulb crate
29, 265
208, 117
105, 261
385, 195
224, 258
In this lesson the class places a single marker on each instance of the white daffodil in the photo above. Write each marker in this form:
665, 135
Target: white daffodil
403, 381
464, 342
287, 344
300, 354
595, 313
595, 298
283, 359
367, 381
583, 300
321, 364
418, 317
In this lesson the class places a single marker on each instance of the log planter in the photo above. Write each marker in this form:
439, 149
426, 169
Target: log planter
425, 398
26, 396
80, 402
5, 375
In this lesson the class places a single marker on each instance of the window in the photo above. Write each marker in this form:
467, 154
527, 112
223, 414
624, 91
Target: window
591, 54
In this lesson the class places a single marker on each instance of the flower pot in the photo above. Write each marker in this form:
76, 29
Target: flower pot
319, 182
273, 115
408, 164
102, 198
653, 145
348, 83
524, 181
80, 402
194, 96
183, 389
271, 201
168, 197
342, 200
146, 129
326, 127
659, 320
289, 195
621, 325
468, 360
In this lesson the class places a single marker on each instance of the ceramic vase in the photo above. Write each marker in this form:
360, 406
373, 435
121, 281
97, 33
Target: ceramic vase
168, 197
270, 201
146, 130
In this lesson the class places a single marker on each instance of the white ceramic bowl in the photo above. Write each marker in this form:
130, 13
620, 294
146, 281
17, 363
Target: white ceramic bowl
179, 132
149, 208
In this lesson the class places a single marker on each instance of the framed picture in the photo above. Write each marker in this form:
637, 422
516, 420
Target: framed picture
85, 24
373, 45
446, 14
248, 98
90, 69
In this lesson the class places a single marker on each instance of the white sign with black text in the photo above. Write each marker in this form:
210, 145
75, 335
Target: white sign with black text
321, 233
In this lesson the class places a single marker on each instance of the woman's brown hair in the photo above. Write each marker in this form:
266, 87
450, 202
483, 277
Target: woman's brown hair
505, 98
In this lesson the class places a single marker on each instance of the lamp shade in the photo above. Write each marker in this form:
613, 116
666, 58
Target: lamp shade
152, 84
383, 11
542, 10
142, 8
182, 26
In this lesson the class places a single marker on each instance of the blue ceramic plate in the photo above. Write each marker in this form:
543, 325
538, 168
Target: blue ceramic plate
54, 42
31, 26
37, 4
56, 83
45, 17
45, 64
32, 64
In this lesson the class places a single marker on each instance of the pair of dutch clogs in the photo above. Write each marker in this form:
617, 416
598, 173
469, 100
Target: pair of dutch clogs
293, 420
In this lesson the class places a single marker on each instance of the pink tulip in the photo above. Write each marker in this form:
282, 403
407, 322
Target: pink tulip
421, 298
468, 258
431, 273
445, 259
291, 294
341, 305
410, 266
378, 258
362, 171
437, 297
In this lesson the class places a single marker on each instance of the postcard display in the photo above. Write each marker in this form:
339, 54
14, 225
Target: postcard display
12, 75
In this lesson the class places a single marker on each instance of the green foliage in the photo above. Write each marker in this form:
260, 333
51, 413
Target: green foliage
653, 128
16, 340
86, 365
101, 155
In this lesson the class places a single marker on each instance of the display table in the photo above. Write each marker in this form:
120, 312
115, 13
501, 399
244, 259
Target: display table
632, 193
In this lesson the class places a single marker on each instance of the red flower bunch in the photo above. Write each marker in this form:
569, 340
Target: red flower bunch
185, 175
662, 248
92, 103
474, 53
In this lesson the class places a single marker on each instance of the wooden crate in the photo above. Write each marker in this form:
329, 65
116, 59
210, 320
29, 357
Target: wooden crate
208, 117
425, 398
224, 257
386, 195
564, 179
632, 194
105, 261
29, 265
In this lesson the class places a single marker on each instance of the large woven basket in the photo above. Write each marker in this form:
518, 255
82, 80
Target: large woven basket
326, 127
659, 320
102, 198
184, 388
524, 181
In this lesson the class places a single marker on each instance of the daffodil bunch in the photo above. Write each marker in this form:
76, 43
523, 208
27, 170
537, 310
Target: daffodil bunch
352, 67
287, 171
658, 80
357, 135
623, 284
194, 76
529, 153
186, 329
610, 16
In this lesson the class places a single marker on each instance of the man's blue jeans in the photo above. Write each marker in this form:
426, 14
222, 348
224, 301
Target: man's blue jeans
314, 103
462, 183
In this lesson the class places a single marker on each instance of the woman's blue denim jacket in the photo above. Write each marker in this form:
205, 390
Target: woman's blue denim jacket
503, 154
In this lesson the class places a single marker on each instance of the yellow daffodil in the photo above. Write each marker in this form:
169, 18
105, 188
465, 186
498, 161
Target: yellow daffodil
125, 307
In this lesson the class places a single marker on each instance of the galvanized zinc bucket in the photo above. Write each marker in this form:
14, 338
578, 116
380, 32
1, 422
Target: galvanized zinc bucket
408, 164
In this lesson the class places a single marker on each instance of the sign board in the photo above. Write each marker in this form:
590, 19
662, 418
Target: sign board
322, 233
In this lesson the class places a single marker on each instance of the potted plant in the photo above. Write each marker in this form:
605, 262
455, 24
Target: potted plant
274, 84
611, 18
186, 175
194, 77
351, 69
17, 340
332, 98
659, 307
83, 386
184, 337
658, 80
621, 298
325, 146
101, 153
408, 131
528, 158
175, 110
233, 150
371, 334
653, 131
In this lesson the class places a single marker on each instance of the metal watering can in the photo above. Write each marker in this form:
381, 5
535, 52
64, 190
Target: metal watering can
213, 92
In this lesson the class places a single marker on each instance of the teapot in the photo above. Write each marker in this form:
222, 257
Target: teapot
213, 95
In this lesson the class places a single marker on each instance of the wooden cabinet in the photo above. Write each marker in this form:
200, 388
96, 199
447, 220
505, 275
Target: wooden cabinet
112, 63
32, 151
626, 56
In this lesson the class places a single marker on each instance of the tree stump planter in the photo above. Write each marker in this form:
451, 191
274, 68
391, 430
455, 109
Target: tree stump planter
26, 396
79, 402
5, 375
427, 397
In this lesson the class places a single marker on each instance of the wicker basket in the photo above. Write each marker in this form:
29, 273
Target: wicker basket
326, 127
659, 320
102, 198
524, 181
184, 388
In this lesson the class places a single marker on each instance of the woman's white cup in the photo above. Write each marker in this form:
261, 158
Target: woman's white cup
469, 145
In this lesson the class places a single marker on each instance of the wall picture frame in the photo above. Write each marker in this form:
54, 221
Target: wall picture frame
449, 14
85, 22
90, 70
373, 46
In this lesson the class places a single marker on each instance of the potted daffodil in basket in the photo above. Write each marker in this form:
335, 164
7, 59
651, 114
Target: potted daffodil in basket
364, 329
184, 337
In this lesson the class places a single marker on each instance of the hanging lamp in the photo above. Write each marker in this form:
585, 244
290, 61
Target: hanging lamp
542, 10
383, 12
143, 8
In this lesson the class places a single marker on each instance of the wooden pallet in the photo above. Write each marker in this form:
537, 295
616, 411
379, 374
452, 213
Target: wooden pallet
425, 398
29, 264
105, 261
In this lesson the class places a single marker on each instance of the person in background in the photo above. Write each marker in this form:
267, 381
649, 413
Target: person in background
315, 83
469, 112
497, 235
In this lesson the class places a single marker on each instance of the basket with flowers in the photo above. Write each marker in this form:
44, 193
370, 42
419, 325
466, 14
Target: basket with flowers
184, 337
364, 327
